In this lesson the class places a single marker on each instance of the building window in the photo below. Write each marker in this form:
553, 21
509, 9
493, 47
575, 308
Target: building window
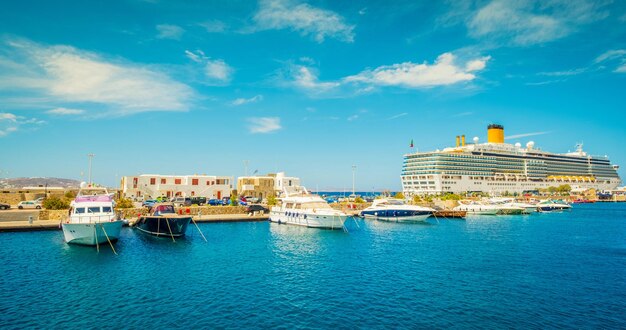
135, 183
163, 181
208, 183
177, 181
194, 182
152, 181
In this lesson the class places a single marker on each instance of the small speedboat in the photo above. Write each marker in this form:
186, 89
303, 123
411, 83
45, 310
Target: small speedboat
163, 221
396, 210
552, 206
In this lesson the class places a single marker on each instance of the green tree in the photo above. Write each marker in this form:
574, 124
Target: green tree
359, 200
271, 200
233, 200
416, 199
56, 203
399, 195
70, 194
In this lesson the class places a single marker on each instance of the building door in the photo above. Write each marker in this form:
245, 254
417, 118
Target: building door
219, 194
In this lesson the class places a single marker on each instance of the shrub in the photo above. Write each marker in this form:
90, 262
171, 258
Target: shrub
70, 195
399, 195
450, 197
124, 203
359, 200
233, 200
56, 203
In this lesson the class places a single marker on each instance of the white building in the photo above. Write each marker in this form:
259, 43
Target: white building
263, 186
154, 185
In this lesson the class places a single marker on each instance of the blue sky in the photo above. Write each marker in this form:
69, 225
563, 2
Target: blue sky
310, 88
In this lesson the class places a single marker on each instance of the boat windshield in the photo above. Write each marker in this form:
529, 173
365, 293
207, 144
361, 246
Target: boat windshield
315, 205
162, 209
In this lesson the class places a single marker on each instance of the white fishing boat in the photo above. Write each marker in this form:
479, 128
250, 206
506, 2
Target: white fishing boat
91, 219
476, 208
396, 210
304, 209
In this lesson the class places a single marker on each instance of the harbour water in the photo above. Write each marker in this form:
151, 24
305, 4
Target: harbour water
543, 270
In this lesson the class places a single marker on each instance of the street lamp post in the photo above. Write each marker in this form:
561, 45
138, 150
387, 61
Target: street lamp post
353, 172
90, 158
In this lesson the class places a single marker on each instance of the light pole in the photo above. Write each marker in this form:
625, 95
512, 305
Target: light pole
245, 166
90, 158
353, 172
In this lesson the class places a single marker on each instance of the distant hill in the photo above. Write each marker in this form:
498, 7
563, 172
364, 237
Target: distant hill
18, 183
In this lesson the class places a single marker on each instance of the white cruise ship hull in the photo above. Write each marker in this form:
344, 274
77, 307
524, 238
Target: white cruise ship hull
92, 233
313, 220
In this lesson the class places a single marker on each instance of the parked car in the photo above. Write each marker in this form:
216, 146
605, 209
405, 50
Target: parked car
40, 200
181, 201
198, 200
215, 202
4, 206
250, 199
29, 205
256, 209
149, 202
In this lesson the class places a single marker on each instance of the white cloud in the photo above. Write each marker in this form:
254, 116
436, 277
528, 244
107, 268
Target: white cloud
443, 72
571, 72
214, 26
616, 55
10, 123
168, 31
610, 55
533, 21
517, 136
304, 18
242, 101
216, 70
353, 118
306, 78
264, 124
65, 112
398, 116
66, 75
8, 116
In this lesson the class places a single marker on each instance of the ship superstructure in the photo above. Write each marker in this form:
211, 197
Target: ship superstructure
497, 167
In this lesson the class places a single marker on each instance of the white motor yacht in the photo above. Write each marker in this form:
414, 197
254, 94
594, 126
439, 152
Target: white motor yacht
304, 209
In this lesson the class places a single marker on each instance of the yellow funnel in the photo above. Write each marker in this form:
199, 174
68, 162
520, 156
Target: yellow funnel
495, 133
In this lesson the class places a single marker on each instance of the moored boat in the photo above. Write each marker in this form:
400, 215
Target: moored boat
396, 210
552, 206
163, 221
476, 208
91, 219
303, 209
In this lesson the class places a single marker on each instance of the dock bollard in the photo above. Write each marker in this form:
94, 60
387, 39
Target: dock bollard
30, 219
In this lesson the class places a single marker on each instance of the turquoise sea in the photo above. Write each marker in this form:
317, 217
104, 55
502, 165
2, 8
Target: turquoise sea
560, 270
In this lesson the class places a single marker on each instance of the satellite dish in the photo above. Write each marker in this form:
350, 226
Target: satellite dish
518, 145
83, 184
530, 144
475, 139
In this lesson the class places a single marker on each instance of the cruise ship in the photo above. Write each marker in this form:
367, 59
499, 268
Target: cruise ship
496, 167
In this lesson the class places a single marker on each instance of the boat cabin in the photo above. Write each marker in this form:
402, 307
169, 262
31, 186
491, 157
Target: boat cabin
163, 208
